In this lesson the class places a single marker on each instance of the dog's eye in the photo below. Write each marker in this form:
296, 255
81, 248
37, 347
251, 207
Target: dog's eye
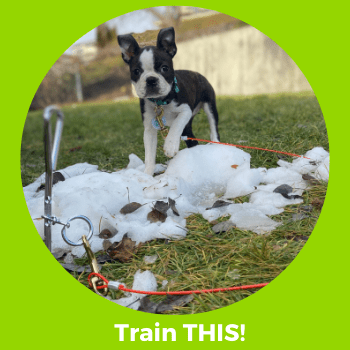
136, 71
164, 69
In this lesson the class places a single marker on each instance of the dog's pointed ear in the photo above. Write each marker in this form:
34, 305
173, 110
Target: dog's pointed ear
166, 41
129, 47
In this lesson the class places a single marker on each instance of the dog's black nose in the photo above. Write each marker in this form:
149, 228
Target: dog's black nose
152, 81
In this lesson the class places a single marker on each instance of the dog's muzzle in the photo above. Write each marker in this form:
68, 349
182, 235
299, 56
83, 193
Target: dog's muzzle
152, 82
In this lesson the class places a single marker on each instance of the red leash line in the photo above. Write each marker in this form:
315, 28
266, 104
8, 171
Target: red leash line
194, 291
121, 287
240, 146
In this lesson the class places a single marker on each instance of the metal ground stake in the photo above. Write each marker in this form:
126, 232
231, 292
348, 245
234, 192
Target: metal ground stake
51, 154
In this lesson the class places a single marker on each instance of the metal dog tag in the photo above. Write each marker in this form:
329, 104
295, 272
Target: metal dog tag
156, 125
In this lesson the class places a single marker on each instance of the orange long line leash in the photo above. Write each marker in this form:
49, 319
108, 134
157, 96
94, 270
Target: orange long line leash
241, 146
215, 290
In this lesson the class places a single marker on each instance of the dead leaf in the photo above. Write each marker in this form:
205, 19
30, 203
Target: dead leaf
310, 179
155, 216
161, 207
123, 250
106, 244
172, 203
101, 259
173, 301
170, 303
130, 208
56, 177
307, 208
76, 268
219, 203
146, 305
60, 253
284, 190
106, 233
234, 166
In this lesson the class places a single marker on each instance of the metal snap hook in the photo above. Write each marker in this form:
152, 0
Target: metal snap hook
88, 236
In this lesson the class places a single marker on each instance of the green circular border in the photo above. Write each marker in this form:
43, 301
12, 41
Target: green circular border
48, 309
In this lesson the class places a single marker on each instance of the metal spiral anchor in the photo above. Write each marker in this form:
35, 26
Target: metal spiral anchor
51, 154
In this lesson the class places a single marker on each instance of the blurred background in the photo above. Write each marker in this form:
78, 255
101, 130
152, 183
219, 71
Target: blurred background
236, 58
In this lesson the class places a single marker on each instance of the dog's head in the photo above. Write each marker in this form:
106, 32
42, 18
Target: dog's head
151, 67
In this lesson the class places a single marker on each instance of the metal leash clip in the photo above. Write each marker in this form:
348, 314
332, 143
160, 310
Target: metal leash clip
95, 281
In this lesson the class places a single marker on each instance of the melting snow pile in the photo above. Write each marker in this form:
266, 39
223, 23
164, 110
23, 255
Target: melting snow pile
194, 179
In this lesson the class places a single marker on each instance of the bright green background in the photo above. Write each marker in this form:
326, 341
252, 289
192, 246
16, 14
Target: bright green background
47, 308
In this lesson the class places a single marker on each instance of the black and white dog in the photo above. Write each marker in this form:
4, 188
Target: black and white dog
181, 94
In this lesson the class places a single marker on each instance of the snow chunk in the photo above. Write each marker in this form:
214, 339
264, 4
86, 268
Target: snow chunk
208, 165
142, 281
134, 161
322, 172
243, 182
318, 157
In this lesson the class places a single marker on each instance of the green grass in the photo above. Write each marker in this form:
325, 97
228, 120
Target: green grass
108, 133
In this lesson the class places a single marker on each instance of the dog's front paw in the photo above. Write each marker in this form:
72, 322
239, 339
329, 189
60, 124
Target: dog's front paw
149, 170
171, 147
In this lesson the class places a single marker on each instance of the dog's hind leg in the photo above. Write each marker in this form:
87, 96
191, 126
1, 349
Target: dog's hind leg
188, 132
213, 119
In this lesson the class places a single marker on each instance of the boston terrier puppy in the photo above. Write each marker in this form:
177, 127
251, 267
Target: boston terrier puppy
174, 96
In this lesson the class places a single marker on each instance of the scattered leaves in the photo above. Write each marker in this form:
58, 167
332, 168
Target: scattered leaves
130, 208
106, 233
155, 216
306, 208
284, 190
173, 301
101, 259
59, 252
170, 303
76, 268
123, 250
310, 179
146, 305
162, 207
172, 206
219, 203
56, 177
106, 244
